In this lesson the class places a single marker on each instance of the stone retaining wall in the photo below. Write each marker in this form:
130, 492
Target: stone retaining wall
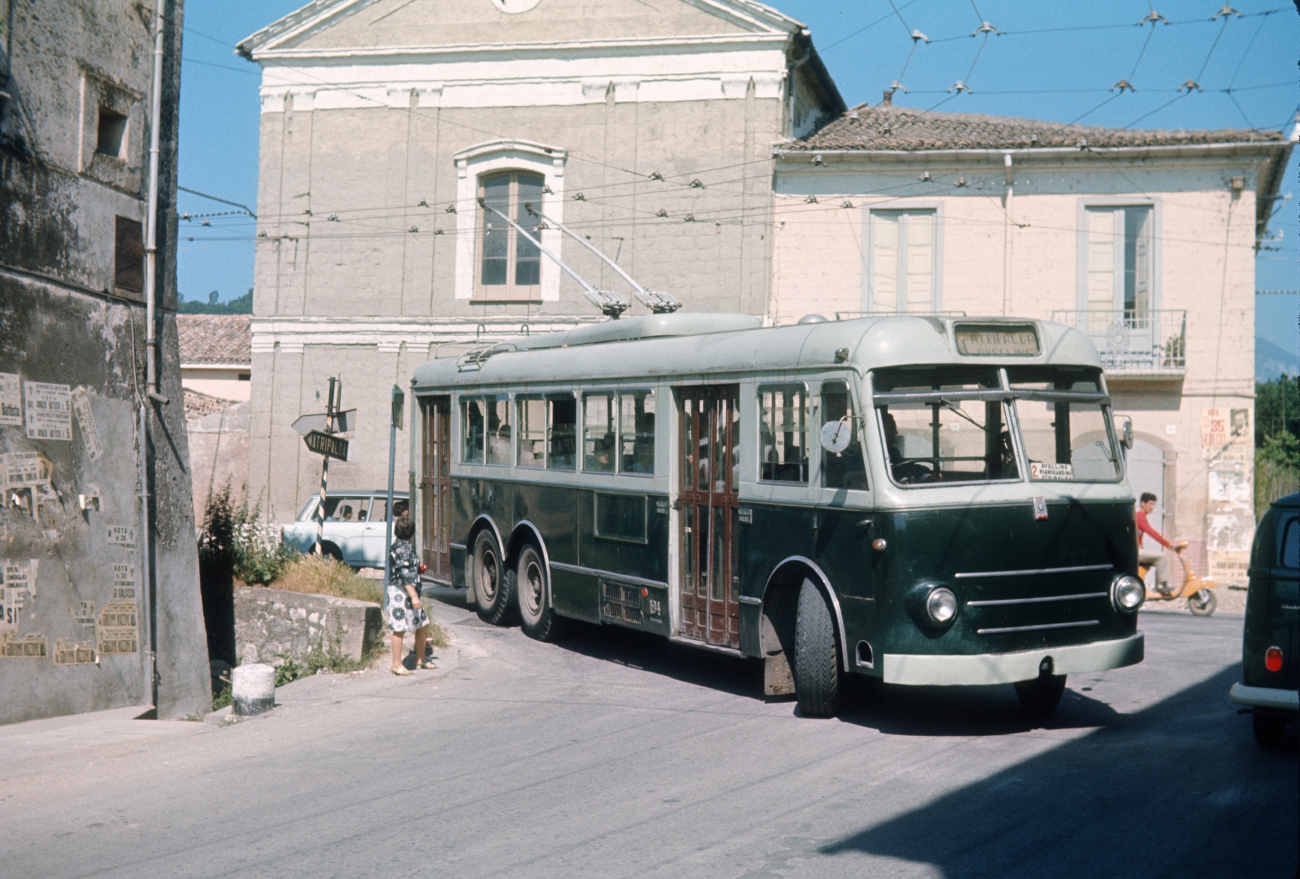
271, 622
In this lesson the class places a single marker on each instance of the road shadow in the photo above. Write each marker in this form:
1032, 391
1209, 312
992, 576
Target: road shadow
962, 711
894, 710
1173, 790
657, 655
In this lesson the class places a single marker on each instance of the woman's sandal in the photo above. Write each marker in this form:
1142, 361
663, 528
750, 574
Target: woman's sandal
401, 670
424, 663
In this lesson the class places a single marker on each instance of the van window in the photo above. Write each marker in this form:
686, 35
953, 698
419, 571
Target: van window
846, 469
783, 433
1291, 545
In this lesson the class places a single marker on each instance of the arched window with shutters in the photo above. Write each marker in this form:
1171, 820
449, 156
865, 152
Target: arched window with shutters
509, 265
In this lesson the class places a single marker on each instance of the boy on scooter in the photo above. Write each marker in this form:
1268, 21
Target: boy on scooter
1154, 557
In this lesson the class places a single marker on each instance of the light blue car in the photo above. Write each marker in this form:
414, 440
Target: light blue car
353, 530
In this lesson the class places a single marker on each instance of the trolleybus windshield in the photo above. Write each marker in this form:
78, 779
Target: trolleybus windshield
946, 425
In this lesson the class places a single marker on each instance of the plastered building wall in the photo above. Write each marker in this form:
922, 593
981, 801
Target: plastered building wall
78, 619
367, 248
1021, 257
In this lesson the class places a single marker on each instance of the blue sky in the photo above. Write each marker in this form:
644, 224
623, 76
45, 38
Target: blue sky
1054, 61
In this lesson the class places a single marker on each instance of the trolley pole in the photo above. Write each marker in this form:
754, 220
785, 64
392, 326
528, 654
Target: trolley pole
395, 423
331, 409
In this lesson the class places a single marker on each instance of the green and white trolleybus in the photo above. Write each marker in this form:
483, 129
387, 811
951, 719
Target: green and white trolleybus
922, 500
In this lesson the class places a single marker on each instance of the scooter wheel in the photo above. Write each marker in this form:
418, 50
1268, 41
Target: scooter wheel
1202, 603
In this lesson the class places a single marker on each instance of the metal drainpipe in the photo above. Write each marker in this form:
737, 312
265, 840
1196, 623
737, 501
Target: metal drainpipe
146, 569
151, 369
1006, 242
151, 219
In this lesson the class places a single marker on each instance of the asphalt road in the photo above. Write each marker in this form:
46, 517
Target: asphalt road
615, 755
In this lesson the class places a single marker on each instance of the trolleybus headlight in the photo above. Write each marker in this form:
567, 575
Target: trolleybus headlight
941, 605
1128, 592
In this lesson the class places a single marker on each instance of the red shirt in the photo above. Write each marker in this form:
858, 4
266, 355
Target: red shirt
1144, 527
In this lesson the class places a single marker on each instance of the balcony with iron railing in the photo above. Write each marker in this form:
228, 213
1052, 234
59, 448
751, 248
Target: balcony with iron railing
1134, 344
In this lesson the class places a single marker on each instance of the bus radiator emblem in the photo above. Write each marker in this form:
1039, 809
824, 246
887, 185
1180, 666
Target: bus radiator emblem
1040, 509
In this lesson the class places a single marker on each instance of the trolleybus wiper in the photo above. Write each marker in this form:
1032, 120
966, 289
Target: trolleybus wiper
949, 404
609, 302
659, 303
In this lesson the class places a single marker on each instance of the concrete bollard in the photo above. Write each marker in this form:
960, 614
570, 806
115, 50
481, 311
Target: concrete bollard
253, 689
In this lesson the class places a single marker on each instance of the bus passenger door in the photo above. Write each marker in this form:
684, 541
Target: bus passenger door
435, 487
709, 419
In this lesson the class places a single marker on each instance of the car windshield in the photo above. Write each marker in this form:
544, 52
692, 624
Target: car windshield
945, 425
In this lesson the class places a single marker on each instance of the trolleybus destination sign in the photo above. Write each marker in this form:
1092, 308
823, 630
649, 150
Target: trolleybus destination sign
329, 446
987, 341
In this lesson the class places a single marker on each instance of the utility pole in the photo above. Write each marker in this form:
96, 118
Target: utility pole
331, 409
399, 400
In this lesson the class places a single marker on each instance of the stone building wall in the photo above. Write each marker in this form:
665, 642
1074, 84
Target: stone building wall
79, 619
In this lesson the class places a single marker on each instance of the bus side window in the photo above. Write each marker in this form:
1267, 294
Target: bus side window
498, 429
846, 469
471, 419
531, 430
562, 430
636, 432
598, 432
783, 433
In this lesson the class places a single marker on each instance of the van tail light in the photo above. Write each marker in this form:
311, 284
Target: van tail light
1273, 659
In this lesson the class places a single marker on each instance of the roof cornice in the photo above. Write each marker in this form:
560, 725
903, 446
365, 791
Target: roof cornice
806, 156
766, 22
284, 57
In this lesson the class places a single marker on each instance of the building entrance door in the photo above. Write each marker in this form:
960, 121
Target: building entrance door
435, 486
709, 419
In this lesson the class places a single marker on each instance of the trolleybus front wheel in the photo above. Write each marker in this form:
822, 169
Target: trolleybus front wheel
1042, 694
536, 614
816, 669
492, 584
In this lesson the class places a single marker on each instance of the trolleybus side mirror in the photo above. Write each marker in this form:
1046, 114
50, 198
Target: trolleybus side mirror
1126, 433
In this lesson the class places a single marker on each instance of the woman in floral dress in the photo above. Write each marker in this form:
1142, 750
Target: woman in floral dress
405, 612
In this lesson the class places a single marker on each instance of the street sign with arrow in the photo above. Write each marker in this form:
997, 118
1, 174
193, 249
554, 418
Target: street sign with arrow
344, 422
327, 445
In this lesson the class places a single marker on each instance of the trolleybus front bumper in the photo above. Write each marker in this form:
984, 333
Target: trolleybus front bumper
1006, 668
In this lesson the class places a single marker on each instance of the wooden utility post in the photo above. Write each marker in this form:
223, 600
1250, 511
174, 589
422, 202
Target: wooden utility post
331, 409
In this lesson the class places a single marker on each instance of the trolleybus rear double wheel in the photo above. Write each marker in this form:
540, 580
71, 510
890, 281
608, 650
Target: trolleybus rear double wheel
1042, 694
536, 614
816, 668
493, 585
1202, 602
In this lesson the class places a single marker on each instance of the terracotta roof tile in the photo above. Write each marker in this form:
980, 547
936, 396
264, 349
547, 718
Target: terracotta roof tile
886, 127
198, 404
215, 338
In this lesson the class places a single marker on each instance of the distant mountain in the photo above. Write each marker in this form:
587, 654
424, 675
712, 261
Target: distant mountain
1272, 361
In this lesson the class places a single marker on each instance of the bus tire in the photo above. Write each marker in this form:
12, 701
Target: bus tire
537, 617
330, 551
1042, 694
491, 584
816, 666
